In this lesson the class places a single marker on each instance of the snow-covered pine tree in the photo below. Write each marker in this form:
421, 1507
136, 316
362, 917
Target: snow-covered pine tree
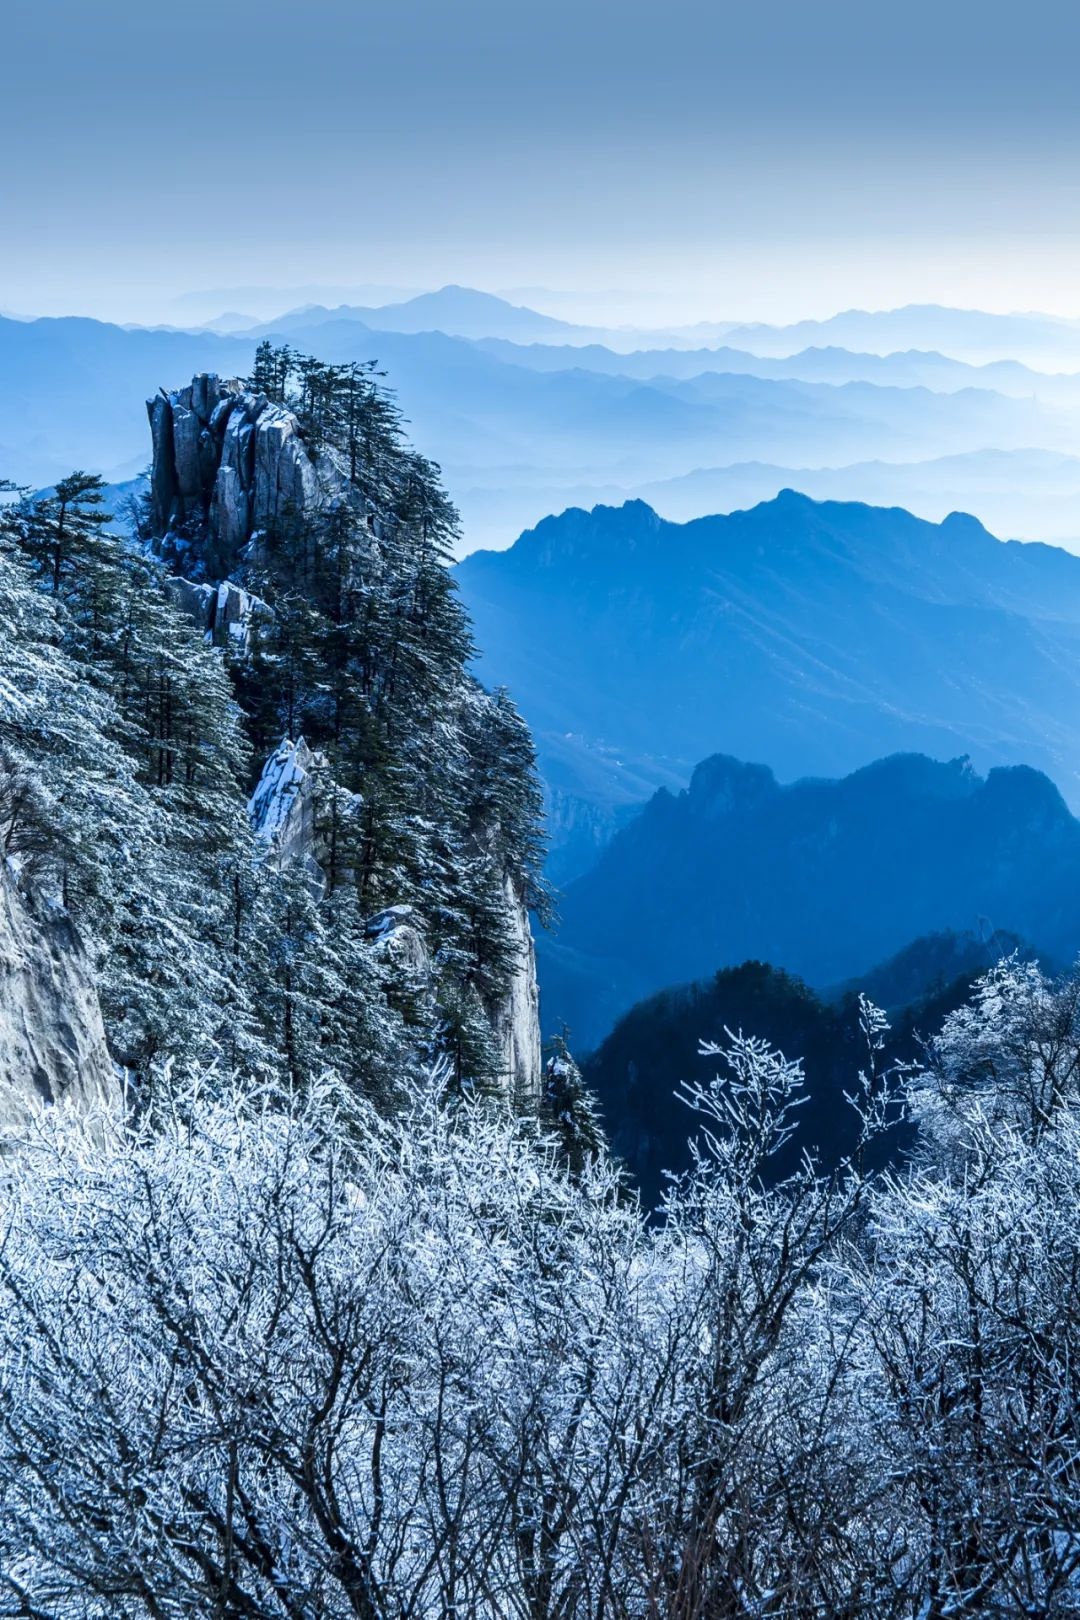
69, 802
569, 1108
154, 865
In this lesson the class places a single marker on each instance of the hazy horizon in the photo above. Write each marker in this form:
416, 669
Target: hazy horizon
614, 308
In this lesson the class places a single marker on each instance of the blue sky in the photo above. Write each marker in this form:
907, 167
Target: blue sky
732, 161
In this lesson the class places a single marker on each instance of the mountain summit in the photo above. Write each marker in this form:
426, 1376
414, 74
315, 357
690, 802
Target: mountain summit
457, 311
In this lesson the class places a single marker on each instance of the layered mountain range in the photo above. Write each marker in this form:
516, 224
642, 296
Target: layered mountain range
527, 414
812, 636
815, 637
823, 878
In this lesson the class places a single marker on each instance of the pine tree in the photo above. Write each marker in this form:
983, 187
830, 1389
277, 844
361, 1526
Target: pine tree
62, 532
270, 374
321, 1003
152, 868
466, 1042
70, 807
570, 1108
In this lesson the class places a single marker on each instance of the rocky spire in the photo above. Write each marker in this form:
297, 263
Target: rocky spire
231, 461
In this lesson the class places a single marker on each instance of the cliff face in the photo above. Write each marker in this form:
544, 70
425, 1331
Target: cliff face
281, 812
229, 463
517, 1019
52, 1043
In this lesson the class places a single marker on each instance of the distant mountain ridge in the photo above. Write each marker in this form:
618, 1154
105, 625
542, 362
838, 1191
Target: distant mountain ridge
1024, 494
1021, 494
815, 635
966, 334
909, 368
975, 336
823, 878
456, 311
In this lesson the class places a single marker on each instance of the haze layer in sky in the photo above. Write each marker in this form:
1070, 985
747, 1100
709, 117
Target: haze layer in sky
704, 159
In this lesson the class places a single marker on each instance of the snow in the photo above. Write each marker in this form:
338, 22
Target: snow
277, 794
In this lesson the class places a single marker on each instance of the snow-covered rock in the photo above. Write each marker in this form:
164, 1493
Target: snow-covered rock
52, 1042
516, 1020
196, 600
226, 612
397, 936
286, 475
281, 808
234, 613
231, 503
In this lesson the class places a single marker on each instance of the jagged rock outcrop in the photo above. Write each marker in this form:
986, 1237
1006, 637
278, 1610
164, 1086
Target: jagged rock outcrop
52, 1041
233, 460
226, 612
280, 808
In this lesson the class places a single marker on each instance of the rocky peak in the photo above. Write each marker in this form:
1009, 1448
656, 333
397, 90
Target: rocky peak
1028, 800
227, 464
721, 785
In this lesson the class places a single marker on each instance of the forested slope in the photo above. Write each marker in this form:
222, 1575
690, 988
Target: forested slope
291, 609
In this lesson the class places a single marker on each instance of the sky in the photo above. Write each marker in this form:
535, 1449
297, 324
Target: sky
694, 159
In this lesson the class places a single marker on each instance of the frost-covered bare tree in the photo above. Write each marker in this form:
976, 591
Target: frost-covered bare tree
755, 1510
967, 1296
268, 1360
270, 1357
286, 1360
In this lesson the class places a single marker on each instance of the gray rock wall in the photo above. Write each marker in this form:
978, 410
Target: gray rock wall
52, 1042
233, 462
517, 1019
